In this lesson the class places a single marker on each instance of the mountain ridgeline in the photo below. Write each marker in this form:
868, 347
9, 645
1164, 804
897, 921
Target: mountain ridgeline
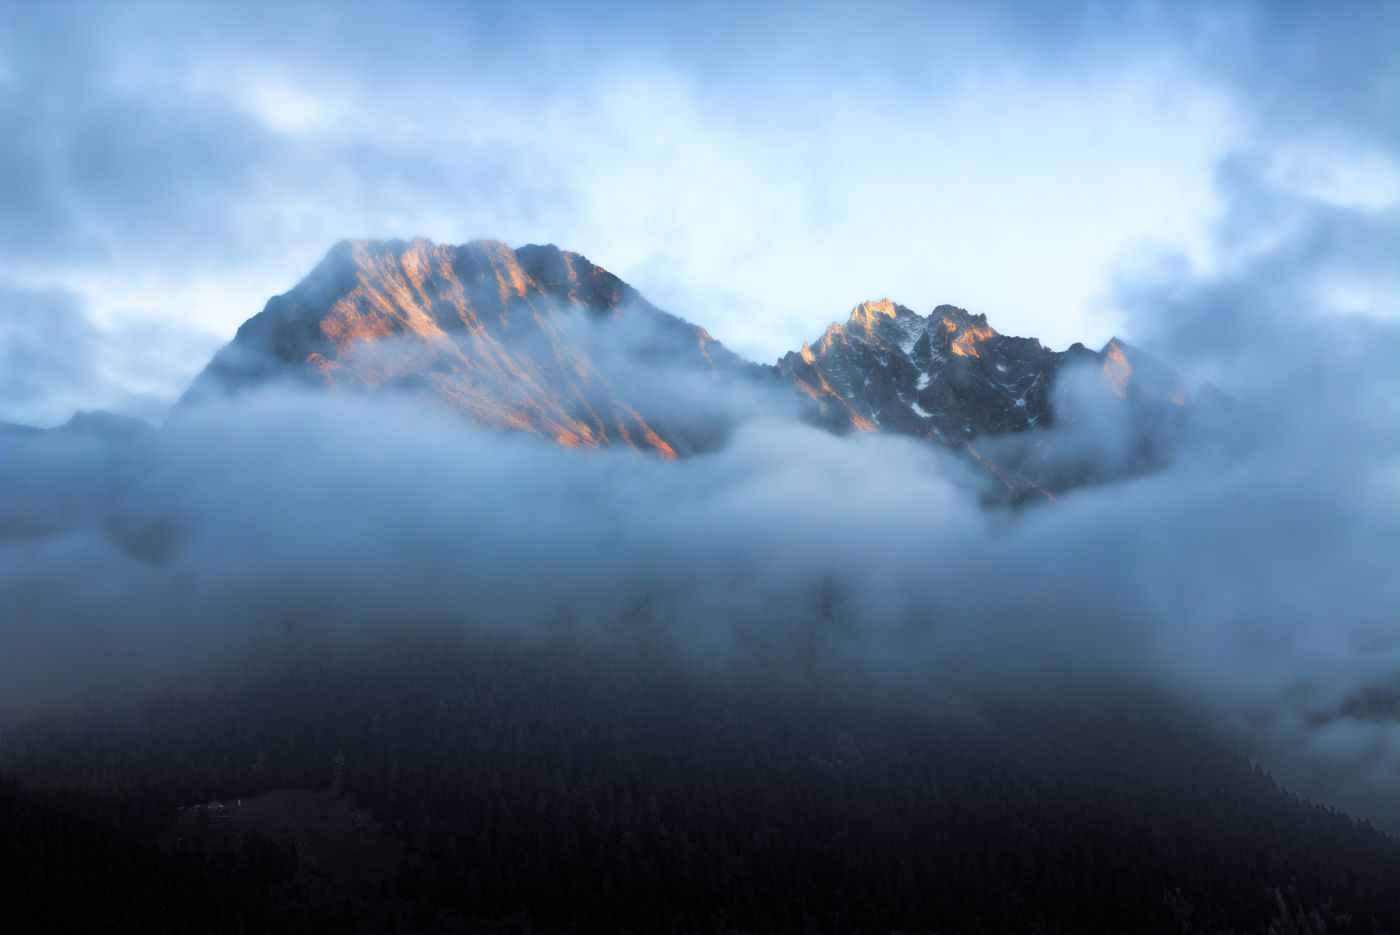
541, 340
535, 339
378, 682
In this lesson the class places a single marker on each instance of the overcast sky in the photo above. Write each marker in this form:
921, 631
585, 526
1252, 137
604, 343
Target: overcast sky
168, 167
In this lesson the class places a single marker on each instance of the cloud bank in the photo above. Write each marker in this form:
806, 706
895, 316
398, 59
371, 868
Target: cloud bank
1252, 580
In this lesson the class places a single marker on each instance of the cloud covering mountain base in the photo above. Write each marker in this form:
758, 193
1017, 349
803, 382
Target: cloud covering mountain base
1250, 581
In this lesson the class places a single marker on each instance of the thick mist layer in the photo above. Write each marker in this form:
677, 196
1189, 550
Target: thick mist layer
1251, 580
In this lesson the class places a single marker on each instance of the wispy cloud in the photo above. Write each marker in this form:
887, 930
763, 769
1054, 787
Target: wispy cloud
758, 176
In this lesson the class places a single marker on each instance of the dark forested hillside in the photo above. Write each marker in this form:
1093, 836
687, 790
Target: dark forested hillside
562, 789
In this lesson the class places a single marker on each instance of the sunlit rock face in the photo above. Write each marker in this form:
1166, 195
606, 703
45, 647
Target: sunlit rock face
540, 340
534, 339
946, 376
951, 378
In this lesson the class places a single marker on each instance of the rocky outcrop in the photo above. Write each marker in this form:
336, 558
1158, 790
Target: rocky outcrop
541, 340
536, 339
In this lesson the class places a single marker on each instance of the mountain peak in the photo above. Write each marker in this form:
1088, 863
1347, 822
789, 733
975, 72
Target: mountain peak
542, 340
951, 378
494, 332
877, 308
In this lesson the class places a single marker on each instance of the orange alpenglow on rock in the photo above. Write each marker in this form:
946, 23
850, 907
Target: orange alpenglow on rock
534, 339
1116, 369
950, 378
965, 344
542, 341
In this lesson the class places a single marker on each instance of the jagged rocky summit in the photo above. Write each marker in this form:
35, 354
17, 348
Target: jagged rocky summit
535, 339
541, 340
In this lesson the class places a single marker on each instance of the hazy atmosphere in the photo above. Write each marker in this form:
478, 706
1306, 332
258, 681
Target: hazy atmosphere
1218, 185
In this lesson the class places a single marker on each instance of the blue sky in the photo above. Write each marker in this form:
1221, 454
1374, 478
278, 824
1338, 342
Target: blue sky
168, 167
